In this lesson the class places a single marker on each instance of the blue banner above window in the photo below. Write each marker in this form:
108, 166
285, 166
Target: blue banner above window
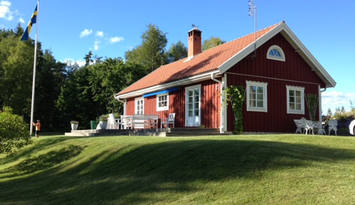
161, 92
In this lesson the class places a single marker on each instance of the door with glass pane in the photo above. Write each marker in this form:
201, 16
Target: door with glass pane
193, 106
139, 109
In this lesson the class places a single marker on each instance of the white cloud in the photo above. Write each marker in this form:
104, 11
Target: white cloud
116, 39
96, 45
70, 62
5, 10
5, 3
100, 33
21, 20
334, 99
86, 32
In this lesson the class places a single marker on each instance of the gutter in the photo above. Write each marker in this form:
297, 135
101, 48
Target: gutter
118, 99
320, 103
214, 79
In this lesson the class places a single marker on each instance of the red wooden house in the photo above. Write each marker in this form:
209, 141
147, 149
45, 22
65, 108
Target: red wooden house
276, 76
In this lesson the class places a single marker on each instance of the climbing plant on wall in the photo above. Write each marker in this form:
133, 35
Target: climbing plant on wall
235, 95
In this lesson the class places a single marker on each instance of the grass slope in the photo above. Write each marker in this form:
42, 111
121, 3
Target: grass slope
267, 169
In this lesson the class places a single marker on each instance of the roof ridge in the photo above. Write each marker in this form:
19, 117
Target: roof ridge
246, 36
257, 31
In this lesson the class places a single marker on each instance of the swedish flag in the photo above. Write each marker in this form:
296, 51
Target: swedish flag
29, 27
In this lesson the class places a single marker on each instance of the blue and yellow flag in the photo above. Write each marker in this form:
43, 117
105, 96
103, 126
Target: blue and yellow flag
29, 27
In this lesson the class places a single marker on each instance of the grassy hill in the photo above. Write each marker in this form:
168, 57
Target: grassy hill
252, 169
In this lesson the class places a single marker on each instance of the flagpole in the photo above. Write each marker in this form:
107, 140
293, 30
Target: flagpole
34, 72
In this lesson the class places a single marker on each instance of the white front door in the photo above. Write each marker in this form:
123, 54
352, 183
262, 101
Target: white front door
139, 109
193, 106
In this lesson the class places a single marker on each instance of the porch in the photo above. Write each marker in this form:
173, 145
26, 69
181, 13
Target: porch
170, 132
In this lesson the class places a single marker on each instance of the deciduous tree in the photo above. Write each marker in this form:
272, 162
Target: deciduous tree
212, 42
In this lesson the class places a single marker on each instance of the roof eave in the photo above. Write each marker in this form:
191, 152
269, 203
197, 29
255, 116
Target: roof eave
182, 82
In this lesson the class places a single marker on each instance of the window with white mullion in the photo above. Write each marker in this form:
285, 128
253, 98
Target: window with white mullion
162, 102
295, 100
256, 96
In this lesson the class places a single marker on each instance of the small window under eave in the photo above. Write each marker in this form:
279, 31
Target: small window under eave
275, 53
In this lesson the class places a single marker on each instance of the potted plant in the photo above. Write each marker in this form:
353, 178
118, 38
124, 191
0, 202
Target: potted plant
103, 121
74, 124
312, 101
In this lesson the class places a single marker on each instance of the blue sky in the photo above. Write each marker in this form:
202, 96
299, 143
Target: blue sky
111, 27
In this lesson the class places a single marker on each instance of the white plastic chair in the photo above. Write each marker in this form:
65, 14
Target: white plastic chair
168, 121
299, 126
307, 125
332, 125
126, 122
320, 128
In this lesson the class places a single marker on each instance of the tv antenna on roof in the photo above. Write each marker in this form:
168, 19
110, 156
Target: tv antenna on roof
252, 10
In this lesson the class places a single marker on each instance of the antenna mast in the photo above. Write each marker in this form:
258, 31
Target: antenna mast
252, 10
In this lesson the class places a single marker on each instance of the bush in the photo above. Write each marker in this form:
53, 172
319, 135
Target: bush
14, 132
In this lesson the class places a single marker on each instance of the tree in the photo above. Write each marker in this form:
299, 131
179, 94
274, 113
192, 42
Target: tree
75, 100
13, 132
88, 58
329, 112
50, 76
212, 42
151, 53
108, 78
177, 51
16, 86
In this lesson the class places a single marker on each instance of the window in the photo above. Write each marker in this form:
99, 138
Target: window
275, 53
139, 104
295, 100
256, 96
162, 102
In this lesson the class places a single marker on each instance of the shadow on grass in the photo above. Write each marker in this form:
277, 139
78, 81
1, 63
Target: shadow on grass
43, 144
138, 175
42, 162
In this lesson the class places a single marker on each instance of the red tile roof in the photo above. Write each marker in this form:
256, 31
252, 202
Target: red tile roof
206, 61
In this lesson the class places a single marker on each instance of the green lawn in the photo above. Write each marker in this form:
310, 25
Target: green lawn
249, 169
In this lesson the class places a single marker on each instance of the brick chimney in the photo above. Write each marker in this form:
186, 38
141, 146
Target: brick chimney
194, 39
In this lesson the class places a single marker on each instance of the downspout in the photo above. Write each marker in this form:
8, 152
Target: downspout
320, 102
124, 103
221, 126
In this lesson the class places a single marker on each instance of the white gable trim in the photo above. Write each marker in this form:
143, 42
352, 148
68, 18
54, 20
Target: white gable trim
294, 41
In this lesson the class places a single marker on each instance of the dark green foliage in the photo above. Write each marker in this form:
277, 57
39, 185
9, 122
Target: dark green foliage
235, 95
177, 51
14, 133
151, 53
50, 76
89, 91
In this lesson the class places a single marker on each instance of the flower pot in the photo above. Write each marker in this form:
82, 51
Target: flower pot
74, 126
103, 124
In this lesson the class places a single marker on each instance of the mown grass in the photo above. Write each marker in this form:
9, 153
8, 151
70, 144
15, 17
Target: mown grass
252, 169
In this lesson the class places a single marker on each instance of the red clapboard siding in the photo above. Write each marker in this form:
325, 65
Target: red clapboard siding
294, 72
210, 105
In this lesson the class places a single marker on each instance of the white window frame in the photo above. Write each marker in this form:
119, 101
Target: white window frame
257, 84
295, 111
135, 105
279, 49
167, 102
